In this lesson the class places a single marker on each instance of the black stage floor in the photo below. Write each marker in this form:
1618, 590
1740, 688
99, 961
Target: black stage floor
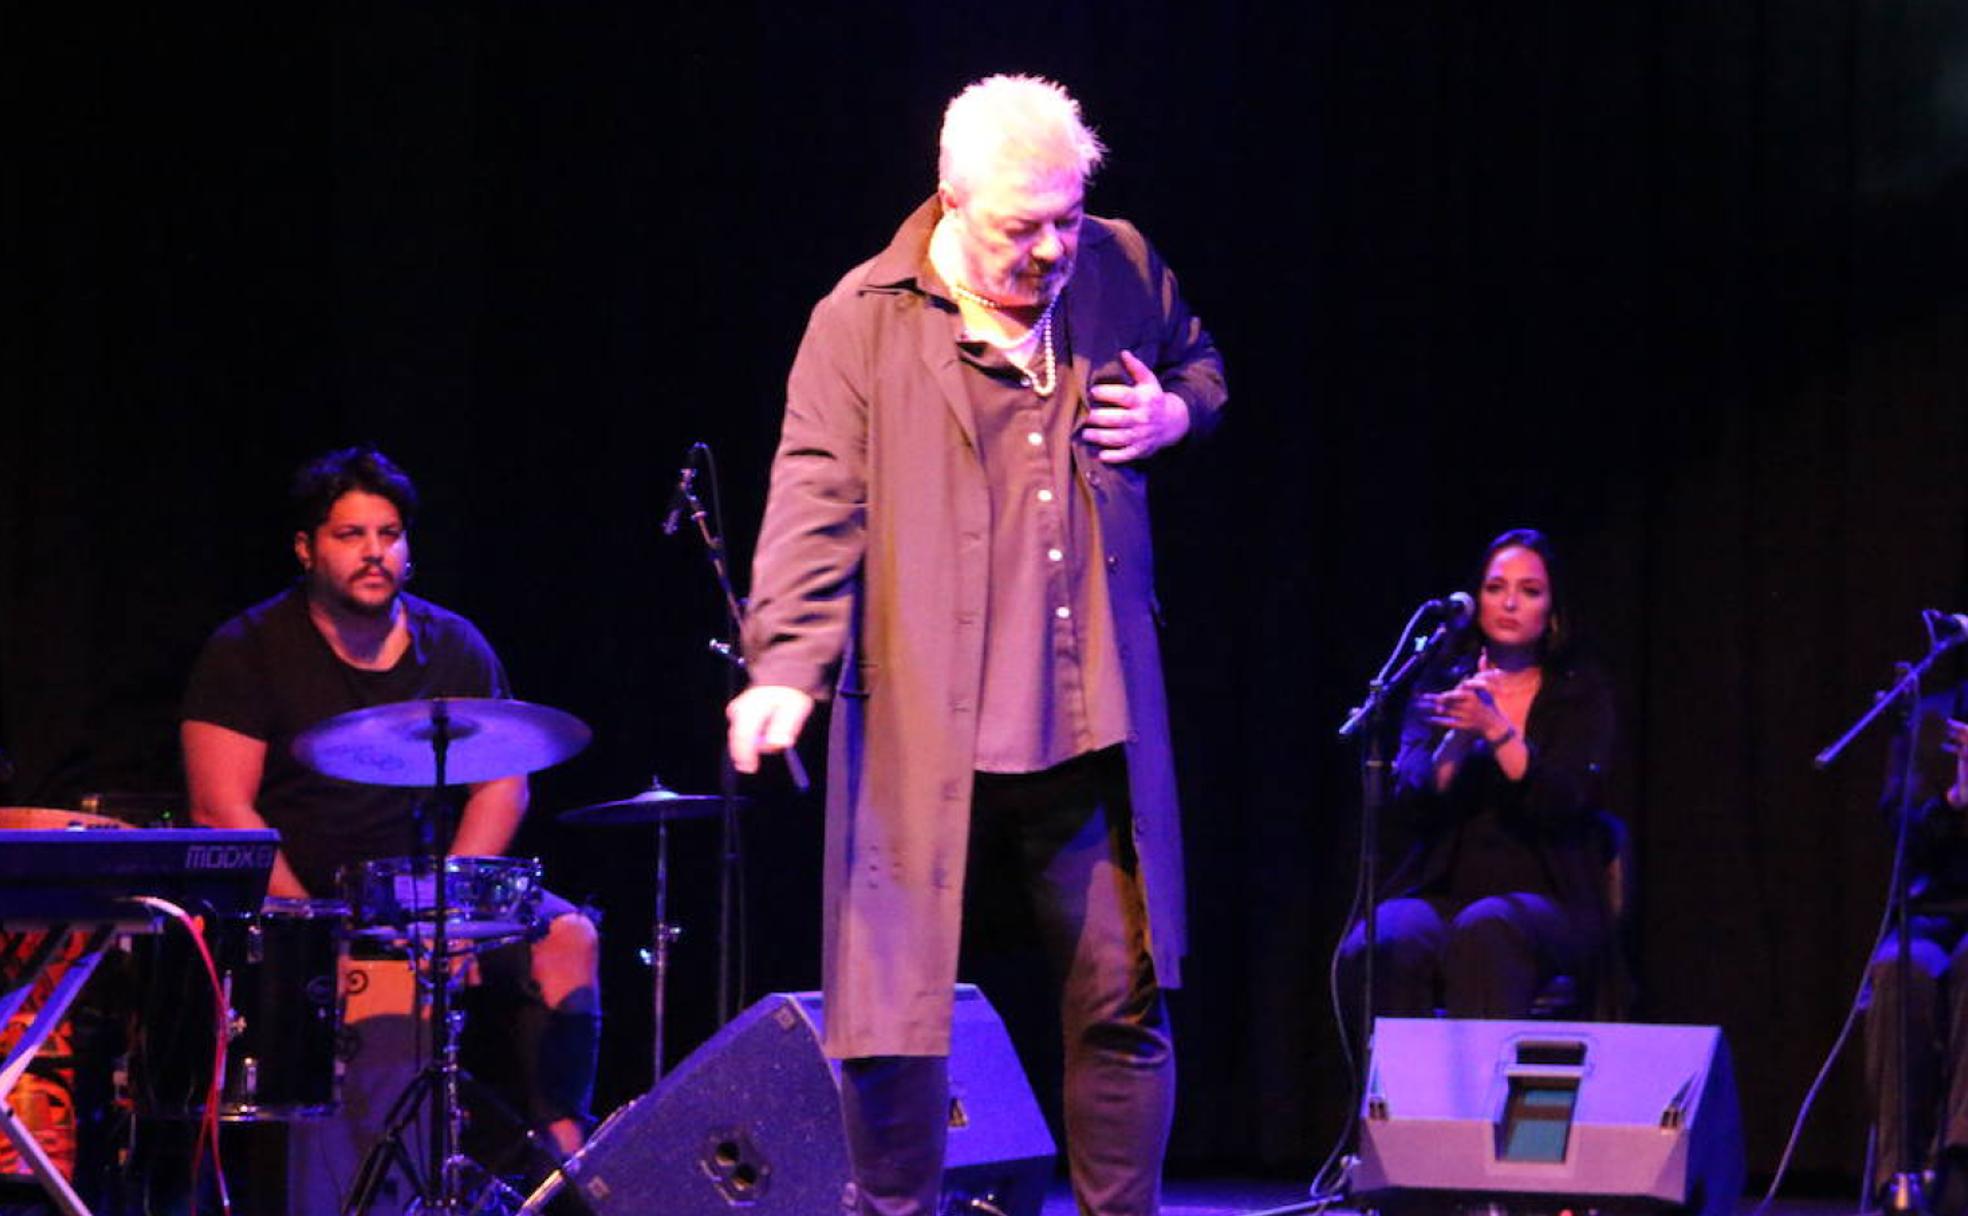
1181, 1197
1246, 1196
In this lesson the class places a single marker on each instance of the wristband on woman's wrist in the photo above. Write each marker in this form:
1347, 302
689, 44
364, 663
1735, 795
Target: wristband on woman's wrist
1508, 735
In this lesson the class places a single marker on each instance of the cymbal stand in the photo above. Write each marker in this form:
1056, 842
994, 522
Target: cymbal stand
440, 1185
662, 936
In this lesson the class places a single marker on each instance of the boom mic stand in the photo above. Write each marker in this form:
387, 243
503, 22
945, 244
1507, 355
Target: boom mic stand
1904, 1193
684, 503
1368, 723
727, 648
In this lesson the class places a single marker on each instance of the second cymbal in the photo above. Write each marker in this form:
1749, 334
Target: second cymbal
657, 804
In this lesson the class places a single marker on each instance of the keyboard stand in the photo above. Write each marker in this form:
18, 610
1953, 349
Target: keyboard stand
96, 939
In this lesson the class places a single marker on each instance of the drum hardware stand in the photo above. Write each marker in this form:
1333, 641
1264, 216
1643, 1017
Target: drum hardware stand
494, 738
658, 805
662, 936
1904, 1194
440, 1187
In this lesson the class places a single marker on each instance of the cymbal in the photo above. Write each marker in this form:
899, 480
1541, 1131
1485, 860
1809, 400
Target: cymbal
657, 804
53, 819
391, 744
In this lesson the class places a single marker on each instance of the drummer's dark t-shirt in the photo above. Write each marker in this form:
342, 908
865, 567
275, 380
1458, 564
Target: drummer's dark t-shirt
269, 674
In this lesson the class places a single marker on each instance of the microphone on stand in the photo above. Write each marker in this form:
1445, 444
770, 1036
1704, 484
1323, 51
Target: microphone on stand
1950, 625
1455, 610
680, 498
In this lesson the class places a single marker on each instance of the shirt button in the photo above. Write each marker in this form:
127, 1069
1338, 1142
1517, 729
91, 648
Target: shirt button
1045, 495
1113, 563
1034, 438
1062, 612
1054, 555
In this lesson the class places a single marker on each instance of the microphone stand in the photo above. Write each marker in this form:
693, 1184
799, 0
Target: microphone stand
726, 648
1904, 1194
1368, 722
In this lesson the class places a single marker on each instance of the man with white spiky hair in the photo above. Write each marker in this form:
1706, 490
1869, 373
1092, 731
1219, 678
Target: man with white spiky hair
956, 551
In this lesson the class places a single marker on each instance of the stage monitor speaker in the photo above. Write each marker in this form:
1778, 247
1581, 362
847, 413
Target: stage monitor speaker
1545, 1117
751, 1123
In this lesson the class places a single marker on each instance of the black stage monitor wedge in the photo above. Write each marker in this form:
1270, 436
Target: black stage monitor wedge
1544, 1117
751, 1123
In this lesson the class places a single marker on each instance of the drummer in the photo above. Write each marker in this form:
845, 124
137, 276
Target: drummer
347, 636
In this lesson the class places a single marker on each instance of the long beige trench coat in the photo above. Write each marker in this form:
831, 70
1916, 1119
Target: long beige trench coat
870, 585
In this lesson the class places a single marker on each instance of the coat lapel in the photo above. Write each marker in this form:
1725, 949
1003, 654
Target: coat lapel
1085, 312
939, 355
1082, 318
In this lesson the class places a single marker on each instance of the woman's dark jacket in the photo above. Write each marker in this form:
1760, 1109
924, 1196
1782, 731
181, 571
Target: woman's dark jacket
1558, 808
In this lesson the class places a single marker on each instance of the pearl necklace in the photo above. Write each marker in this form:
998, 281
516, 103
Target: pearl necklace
1042, 385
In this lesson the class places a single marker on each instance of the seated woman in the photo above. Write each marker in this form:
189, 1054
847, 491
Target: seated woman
1498, 779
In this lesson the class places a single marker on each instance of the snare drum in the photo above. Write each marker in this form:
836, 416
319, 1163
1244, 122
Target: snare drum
491, 898
280, 969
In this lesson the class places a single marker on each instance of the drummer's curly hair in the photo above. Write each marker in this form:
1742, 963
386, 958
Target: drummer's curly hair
321, 482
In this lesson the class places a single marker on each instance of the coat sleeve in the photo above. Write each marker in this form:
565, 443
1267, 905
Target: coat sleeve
805, 571
1179, 349
1190, 366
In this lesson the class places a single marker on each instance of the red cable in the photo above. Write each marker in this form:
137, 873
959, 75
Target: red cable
208, 1123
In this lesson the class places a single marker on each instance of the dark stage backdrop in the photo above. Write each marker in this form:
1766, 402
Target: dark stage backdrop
1679, 282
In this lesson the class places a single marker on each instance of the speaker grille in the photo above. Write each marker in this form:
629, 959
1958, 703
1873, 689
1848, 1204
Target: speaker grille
751, 1123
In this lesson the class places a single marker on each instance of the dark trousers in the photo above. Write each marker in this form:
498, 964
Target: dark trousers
1483, 958
1054, 848
549, 1054
1938, 1039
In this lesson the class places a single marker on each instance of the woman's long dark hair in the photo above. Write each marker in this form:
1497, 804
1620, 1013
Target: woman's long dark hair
1554, 647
